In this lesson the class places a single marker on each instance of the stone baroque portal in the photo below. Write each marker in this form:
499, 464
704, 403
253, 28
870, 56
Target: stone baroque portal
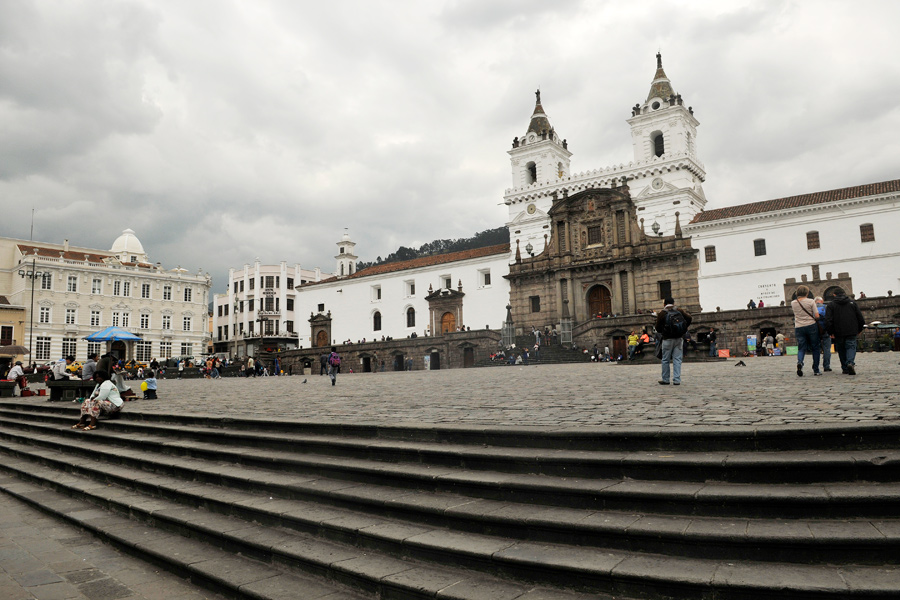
600, 260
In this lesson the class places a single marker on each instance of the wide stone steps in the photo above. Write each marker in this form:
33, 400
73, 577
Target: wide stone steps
387, 501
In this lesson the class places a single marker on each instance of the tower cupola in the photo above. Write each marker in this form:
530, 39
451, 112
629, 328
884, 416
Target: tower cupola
540, 155
346, 260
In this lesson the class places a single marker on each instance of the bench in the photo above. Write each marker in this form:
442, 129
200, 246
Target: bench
7, 389
67, 389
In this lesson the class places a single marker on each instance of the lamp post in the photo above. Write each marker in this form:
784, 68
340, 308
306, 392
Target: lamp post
234, 327
32, 274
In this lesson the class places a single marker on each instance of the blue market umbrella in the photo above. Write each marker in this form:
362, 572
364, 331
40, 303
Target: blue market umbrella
112, 334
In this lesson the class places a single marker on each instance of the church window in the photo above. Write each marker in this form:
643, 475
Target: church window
341, 251
535, 303
710, 253
665, 289
410, 317
531, 173
655, 105
659, 147
759, 247
812, 240
448, 282
595, 235
866, 233
376, 321
342, 269
321, 308
484, 277
376, 293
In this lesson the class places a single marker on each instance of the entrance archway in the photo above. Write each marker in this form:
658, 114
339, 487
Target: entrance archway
828, 296
599, 301
468, 357
448, 322
321, 339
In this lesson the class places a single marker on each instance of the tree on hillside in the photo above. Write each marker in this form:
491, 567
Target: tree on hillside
489, 237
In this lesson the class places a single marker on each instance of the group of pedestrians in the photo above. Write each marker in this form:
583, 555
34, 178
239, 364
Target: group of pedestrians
817, 325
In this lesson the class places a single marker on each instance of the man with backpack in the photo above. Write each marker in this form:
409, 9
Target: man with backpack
672, 323
334, 364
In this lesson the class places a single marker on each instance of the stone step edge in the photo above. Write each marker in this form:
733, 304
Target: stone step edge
244, 536
702, 463
828, 435
193, 571
679, 578
714, 498
558, 531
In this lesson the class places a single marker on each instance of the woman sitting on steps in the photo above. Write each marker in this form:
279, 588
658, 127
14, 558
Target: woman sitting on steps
104, 400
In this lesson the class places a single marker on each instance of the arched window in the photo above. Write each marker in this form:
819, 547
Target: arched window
410, 317
342, 269
531, 173
659, 147
376, 321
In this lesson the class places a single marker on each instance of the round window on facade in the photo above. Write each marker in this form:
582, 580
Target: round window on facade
655, 106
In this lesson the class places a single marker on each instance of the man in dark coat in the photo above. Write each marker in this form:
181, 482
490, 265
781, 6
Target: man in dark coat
844, 321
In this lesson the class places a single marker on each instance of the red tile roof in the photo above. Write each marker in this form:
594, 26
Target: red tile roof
859, 191
54, 253
425, 261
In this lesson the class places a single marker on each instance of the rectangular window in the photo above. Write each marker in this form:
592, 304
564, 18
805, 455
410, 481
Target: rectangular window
145, 321
44, 315
290, 283
94, 348
410, 288
665, 289
226, 310
866, 233
250, 304
219, 334
187, 349
97, 286
95, 318
167, 321
225, 330
595, 235
759, 247
126, 288
126, 319
165, 349
269, 303
46, 281
70, 316
485, 278
220, 310
376, 293
186, 324
145, 290
235, 287
812, 240
42, 348
70, 346
321, 308
278, 281
289, 304
252, 283
535, 303
167, 292
710, 253
448, 282
289, 325
116, 318
117, 288
6, 335
242, 285
188, 292
142, 351
72, 284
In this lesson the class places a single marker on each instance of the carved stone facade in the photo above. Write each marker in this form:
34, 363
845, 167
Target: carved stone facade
320, 330
599, 261
445, 309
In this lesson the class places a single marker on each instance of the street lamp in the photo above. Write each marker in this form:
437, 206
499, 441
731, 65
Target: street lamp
32, 274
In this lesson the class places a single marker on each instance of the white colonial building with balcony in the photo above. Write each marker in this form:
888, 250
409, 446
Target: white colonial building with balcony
78, 291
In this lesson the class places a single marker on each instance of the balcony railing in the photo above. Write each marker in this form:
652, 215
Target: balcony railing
255, 334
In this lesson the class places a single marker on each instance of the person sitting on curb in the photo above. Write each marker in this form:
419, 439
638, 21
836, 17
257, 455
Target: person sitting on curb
104, 400
150, 392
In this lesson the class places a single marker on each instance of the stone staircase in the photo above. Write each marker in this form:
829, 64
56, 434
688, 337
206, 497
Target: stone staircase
274, 509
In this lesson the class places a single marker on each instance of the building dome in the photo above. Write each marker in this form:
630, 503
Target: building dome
128, 244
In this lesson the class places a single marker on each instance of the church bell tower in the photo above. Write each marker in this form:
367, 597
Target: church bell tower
346, 260
540, 155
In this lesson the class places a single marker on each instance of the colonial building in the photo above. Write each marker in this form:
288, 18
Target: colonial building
763, 250
664, 176
258, 310
78, 291
423, 296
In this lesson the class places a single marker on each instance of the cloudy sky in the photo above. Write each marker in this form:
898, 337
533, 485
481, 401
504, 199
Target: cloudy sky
221, 131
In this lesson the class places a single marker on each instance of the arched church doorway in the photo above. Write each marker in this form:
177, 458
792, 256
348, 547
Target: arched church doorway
448, 322
322, 339
828, 296
599, 301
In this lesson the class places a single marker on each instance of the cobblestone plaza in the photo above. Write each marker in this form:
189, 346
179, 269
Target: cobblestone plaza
765, 392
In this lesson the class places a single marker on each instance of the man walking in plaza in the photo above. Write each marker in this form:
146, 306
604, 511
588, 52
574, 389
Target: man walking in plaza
334, 364
844, 321
672, 323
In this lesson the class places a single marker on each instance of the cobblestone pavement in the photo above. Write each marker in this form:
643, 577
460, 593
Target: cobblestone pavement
42, 558
765, 392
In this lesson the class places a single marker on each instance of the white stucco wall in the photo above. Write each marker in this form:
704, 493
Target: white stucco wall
738, 275
353, 302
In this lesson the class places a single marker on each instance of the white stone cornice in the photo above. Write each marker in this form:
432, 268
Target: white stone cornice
837, 205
